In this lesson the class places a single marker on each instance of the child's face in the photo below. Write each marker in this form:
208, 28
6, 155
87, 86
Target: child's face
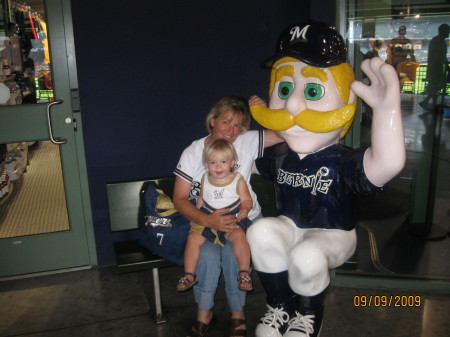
219, 166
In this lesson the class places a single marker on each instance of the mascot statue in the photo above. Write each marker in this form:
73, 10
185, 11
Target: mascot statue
312, 106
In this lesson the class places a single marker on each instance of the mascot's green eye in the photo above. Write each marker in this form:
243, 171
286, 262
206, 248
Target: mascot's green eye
313, 91
285, 90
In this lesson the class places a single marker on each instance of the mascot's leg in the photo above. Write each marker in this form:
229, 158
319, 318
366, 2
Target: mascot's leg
279, 296
306, 319
309, 277
270, 240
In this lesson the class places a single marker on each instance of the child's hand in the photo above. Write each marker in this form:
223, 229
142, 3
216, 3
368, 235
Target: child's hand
243, 213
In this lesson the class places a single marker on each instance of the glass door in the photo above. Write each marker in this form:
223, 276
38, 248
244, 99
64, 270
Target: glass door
403, 232
42, 217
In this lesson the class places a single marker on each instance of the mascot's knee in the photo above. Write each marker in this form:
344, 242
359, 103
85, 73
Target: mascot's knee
258, 233
307, 261
308, 270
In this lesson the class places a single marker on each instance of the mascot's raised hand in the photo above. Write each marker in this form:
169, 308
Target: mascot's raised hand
312, 106
386, 156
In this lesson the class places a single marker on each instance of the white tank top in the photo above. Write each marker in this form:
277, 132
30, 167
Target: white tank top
220, 196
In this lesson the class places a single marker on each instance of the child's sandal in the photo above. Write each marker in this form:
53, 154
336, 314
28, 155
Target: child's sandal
184, 284
245, 279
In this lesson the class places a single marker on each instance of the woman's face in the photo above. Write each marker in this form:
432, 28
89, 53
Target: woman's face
227, 126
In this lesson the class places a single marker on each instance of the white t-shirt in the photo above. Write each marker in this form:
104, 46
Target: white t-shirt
249, 147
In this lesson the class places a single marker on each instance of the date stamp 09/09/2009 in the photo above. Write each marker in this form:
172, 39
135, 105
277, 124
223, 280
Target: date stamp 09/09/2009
398, 301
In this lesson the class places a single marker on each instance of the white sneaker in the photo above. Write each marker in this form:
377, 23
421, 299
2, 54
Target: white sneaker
272, 322
300, 326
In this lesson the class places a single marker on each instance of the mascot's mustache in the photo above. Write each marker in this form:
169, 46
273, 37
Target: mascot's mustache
311, 120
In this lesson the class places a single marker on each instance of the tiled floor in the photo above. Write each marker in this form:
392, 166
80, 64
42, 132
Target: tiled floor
100, 302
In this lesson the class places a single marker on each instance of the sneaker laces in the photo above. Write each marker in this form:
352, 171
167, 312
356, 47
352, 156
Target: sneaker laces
275, 317
302, 323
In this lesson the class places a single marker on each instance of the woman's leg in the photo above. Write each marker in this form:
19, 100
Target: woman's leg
230, 267
236, 297
208, 273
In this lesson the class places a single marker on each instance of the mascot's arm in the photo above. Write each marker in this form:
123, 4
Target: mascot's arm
386, 156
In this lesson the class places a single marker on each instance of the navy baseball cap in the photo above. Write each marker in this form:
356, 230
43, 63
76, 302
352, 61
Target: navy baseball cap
314, 43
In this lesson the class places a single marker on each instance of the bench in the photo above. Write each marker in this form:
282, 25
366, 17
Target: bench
127, 210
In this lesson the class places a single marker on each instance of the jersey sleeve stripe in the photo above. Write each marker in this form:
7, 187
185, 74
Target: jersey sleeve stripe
183, 175
261, 144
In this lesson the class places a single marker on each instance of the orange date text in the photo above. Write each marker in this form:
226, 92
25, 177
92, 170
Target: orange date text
387, 301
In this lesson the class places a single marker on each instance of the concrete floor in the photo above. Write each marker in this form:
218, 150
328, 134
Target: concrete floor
100, 302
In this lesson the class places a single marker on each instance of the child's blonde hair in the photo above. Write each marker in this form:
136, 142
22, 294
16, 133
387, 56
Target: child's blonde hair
221, 146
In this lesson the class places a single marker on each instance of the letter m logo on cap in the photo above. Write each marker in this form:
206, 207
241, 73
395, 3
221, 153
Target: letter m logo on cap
297, 34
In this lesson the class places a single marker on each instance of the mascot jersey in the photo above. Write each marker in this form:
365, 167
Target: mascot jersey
318, 190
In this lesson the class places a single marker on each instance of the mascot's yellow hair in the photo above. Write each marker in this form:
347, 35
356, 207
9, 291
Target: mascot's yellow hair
343, 77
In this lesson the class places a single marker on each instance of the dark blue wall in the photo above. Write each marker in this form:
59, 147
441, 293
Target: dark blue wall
148, 73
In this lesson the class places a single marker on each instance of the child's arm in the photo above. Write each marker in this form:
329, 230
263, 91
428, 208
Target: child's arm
246, 199
199, 202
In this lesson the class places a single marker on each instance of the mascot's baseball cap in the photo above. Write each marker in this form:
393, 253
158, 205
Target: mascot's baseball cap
314, 43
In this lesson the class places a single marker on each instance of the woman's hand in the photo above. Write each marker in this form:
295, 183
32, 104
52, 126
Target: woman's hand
223, 223
256, 100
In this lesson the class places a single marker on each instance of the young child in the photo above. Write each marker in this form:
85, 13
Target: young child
221, 187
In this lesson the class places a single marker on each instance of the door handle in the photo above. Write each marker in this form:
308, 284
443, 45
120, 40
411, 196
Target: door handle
57, 141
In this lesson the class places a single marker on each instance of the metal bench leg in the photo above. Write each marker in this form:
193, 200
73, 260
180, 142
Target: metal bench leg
157, 295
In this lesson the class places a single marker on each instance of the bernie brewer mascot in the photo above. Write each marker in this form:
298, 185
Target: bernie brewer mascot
312, 105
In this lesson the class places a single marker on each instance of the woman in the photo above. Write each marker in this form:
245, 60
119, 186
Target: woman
229, 119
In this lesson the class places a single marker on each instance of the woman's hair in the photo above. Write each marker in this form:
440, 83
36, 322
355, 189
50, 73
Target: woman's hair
219, 146
237, 104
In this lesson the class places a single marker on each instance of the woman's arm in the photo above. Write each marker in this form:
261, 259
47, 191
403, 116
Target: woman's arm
184, 206
271, 138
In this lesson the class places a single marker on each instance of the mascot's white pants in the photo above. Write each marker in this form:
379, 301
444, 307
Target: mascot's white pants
277, 245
